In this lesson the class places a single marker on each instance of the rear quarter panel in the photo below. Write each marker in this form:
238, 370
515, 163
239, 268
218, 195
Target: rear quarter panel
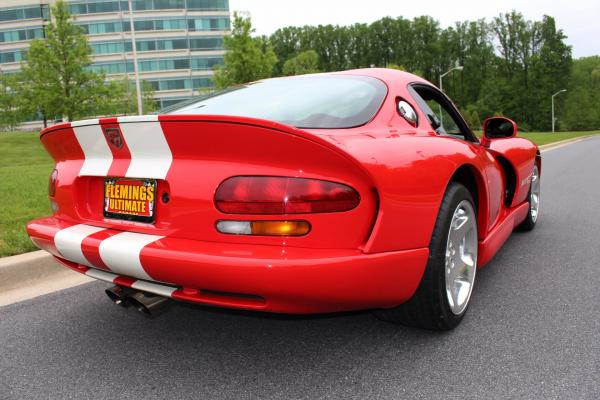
411, 173
521, 153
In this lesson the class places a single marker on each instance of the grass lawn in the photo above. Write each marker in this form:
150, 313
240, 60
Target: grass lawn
24, 171
541, 138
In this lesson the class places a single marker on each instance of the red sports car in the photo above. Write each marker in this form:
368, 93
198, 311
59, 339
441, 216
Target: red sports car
361, 189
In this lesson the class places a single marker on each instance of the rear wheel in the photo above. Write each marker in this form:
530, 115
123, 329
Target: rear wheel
534, 202
443, 296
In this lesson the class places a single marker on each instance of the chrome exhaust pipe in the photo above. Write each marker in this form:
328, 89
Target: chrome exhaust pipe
118, 295
147, 303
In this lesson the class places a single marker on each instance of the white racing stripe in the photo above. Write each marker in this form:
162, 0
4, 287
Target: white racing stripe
121, 253
150, 153
98, 157
84, 122
68, 242
138, 118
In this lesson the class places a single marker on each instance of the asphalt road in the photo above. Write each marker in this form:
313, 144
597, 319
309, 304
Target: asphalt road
533, 330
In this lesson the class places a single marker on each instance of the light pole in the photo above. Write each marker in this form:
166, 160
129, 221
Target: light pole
138, 92
554, 95
458, 68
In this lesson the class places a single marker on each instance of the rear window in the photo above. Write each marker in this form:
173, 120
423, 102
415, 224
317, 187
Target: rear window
317, 101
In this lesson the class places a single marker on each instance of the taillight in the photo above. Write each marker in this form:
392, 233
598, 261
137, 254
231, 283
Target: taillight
281, 195
52, 183
264, 228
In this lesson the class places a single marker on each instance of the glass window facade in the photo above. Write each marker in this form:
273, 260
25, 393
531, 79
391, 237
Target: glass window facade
205, 63
206, 43
111, 18
167, 24
208, 24
21, 34
108, 47
201, 63
202, 43
208, 5
181, 83
24, 12
12, 56
104, 6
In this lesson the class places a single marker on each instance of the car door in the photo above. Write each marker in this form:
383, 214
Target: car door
445, 120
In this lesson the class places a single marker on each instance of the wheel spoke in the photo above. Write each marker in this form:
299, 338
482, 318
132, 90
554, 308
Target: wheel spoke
461, 256
534, 196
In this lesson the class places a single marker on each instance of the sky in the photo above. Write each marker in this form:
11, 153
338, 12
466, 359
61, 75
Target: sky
579, 19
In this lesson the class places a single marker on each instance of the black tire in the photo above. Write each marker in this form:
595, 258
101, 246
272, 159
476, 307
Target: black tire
529, 222
429, 308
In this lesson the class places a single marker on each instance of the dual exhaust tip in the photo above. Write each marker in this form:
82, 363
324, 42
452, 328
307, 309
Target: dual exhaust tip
146, 303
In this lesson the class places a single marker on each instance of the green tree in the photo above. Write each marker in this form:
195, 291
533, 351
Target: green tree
286, 44
580, 111
11, 112
247, 58
57, 79
511, 65
472, 117
123, 98
306, 62
396, 66
581, 107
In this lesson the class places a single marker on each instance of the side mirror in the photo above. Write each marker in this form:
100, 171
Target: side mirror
498, 128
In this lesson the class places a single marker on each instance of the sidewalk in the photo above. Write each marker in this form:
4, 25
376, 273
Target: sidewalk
34, 274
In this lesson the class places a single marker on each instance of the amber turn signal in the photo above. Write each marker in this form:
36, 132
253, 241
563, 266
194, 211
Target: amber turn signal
264, 228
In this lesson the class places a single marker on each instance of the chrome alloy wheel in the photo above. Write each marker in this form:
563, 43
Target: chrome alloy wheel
535, 193
461, 257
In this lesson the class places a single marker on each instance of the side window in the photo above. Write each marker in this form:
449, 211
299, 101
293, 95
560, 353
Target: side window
441, 114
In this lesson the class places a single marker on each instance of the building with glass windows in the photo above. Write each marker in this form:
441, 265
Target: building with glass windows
178, 41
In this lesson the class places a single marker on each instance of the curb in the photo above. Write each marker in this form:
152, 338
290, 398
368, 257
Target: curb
33, 274
15, 269
555, 145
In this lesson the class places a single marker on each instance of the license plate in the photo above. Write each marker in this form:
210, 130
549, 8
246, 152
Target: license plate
130, 199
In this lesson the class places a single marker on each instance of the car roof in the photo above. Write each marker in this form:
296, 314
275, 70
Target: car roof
387, 75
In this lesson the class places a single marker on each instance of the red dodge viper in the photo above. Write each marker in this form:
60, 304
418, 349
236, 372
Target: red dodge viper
361, 189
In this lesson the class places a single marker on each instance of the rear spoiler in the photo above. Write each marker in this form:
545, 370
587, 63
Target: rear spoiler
165, 118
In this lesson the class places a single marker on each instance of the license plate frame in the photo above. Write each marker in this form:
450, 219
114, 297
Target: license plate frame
123, 198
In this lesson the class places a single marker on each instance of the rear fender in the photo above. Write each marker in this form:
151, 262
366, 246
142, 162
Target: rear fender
411, 174
521, 155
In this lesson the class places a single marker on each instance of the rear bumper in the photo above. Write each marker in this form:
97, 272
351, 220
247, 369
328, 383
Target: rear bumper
258, 277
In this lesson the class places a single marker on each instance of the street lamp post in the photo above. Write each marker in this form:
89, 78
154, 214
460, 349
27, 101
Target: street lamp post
458, 68
554, 95
135, 61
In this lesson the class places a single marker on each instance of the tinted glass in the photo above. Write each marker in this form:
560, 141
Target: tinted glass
328, 102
